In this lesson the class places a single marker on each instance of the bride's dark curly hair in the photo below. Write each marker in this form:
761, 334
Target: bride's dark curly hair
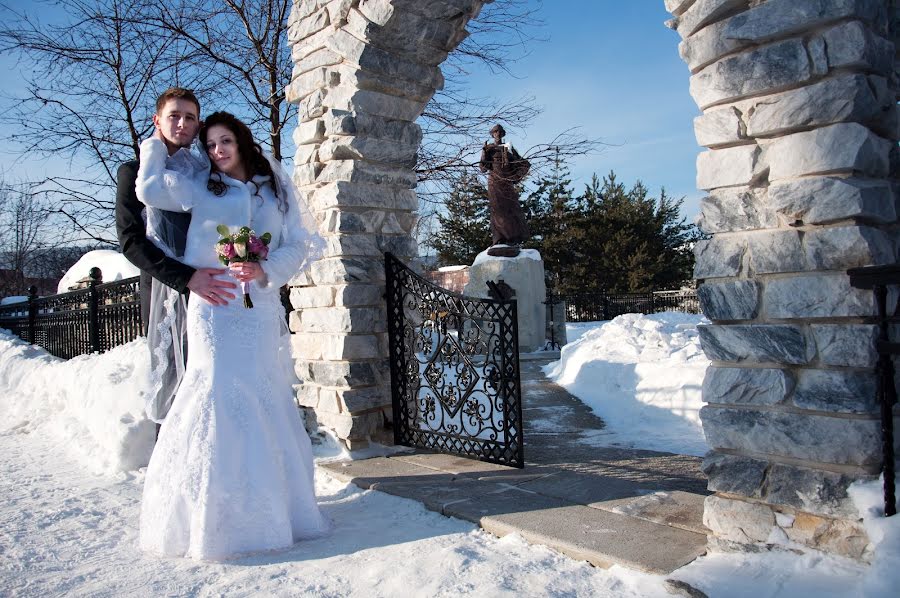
249, 152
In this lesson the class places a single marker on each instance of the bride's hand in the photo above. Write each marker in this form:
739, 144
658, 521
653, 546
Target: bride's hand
247, 271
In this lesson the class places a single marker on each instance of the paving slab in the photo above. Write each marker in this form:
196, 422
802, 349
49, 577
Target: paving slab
366, 472
676, 508
603, 538
473, 469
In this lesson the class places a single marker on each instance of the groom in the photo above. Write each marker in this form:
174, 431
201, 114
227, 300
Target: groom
177, 120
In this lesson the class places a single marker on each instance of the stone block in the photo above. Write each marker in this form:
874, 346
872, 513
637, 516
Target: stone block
721, 126
343, 221
736, 209
852, 45
766, 69
849, 345
775, 251
676, 7
359, 294
344, 194
350, 427
311, 131
407, 34
305, 345
317, 59
808, 437
357, 400
823, 296
760, 343
299, 28
336, 347
738, 520
733, 474
307, 395
377, 103
729, 167
836, 391
777, 18
812, 490
703, 12
351, 245
738, 300
360, 124
846, 98
821, 200
373, 150
348, 270
341, 373
843, 247
746, 386
834, 536
383, 63
718, 257
357, 320
356, 171
843, 147
302, 297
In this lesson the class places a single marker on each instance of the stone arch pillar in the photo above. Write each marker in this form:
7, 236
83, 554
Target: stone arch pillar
363, 72
799, 113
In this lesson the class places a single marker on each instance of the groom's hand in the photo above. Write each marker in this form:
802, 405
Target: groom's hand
205, 285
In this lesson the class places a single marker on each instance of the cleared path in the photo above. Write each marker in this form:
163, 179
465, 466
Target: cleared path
640, 509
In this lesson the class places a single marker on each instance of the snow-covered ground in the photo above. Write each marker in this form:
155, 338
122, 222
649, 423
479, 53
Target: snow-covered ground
642, 375
72, 446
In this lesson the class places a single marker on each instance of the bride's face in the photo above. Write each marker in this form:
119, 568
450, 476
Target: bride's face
221, 145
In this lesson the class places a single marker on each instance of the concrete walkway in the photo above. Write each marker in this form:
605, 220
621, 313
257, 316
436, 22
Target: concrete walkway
640, 509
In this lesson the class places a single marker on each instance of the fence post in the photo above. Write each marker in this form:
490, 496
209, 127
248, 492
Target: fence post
652, 306
94, 310
32, 312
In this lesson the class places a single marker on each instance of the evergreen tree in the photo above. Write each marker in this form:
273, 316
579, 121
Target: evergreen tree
550, 211
465, 229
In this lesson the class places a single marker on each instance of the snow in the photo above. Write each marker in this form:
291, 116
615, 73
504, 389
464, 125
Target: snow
641, 374
525, 254
73, 441
112, 264
451, 268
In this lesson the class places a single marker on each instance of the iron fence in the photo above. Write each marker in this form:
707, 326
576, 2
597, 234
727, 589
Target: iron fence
90, 320
597, 307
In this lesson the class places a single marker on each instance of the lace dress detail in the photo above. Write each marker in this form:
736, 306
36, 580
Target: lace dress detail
232, 471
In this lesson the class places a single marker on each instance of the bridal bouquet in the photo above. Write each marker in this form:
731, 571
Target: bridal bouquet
242, 246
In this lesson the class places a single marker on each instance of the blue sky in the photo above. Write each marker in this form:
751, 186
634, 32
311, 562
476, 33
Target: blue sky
611, 68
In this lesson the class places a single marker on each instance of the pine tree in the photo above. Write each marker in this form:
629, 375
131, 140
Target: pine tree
550, 211
465, 228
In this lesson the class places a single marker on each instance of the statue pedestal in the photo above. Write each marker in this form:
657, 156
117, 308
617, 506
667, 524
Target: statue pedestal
525, 274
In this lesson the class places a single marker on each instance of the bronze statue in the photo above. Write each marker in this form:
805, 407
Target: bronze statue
506, 170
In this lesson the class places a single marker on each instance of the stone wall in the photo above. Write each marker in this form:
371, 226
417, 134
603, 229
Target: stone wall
363, 72
798, 101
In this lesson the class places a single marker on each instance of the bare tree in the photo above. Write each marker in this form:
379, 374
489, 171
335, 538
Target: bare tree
244, 47
92, 81
23, 224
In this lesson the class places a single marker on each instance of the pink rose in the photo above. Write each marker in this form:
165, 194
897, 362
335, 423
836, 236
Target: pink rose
255, 245
226, 250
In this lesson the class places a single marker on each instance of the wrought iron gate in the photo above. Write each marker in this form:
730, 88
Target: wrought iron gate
454, 369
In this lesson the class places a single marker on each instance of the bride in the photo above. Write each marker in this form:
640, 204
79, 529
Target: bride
232, 471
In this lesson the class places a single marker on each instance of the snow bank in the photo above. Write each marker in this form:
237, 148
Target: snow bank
641, 374
93, 403
883, 578
113, 264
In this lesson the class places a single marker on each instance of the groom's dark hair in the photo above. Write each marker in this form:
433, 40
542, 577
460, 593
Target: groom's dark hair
177, 93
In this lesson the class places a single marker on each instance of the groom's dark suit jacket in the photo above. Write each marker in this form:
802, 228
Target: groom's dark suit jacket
138, 249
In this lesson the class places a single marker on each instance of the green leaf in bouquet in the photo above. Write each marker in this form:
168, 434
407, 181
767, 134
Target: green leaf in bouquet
223, 230
245, 230
266, 238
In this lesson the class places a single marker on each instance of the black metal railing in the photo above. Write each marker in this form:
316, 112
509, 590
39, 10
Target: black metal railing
90, 320
597, 307
878, 278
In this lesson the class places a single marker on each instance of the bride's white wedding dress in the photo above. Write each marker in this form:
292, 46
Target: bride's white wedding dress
232, 471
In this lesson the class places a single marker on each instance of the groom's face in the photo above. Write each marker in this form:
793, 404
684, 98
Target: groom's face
178, 122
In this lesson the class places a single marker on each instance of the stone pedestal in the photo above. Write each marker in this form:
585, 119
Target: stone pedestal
525, 274
799, 113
